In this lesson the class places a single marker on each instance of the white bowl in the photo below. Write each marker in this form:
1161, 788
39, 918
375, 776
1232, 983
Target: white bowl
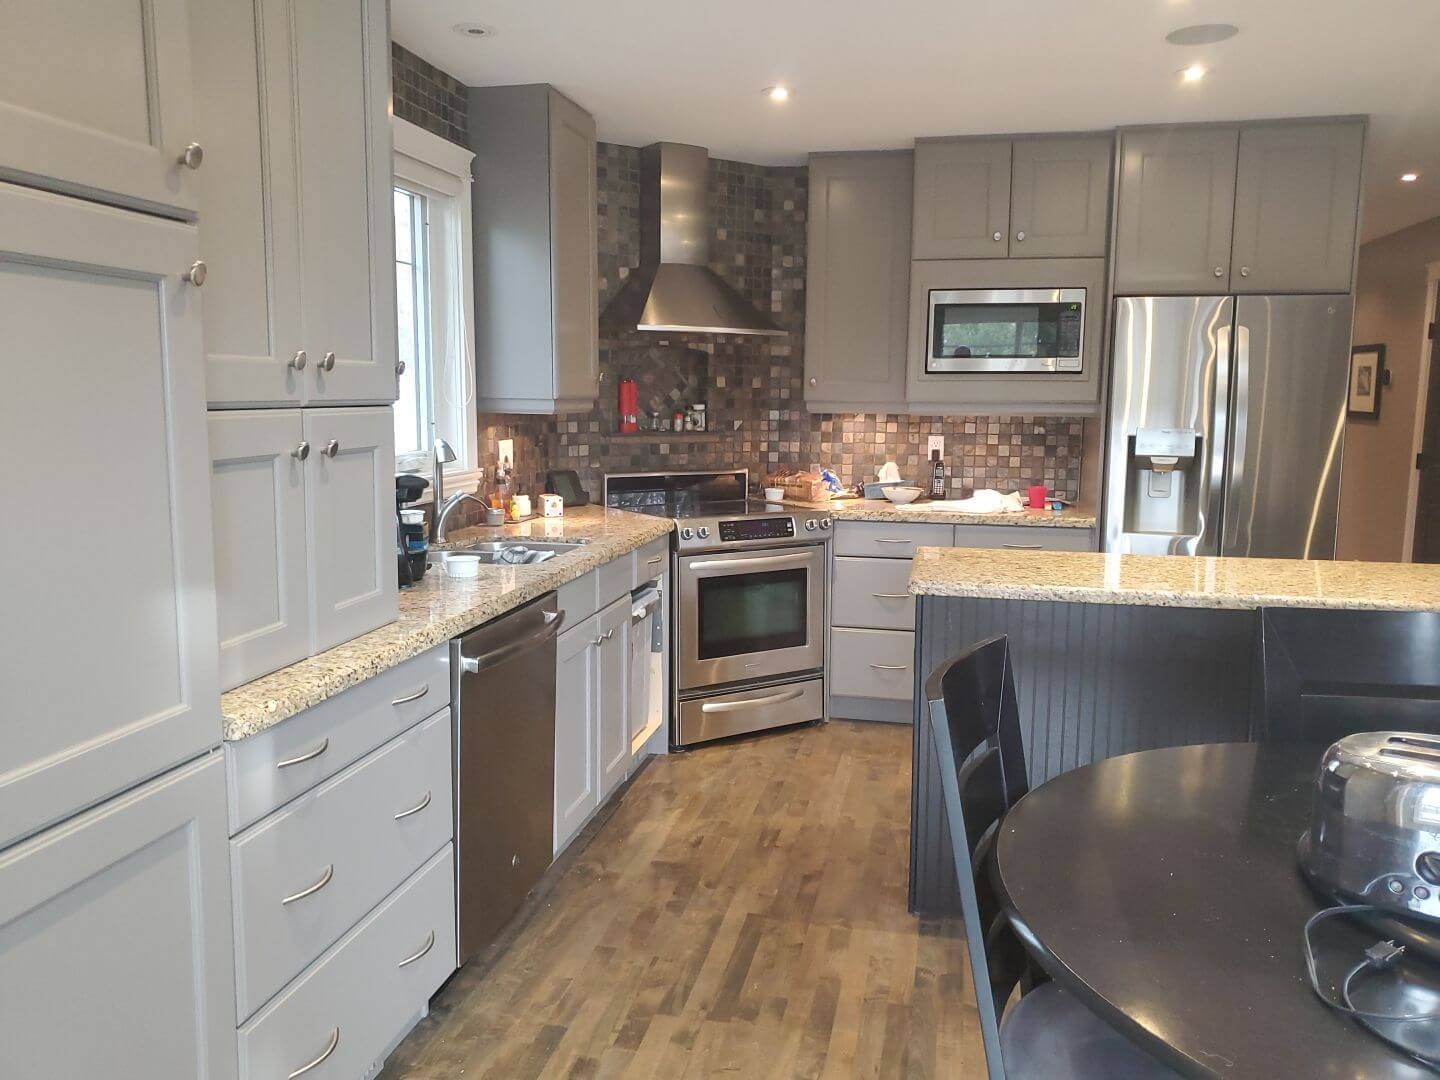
902, 495
774, 494
462, 566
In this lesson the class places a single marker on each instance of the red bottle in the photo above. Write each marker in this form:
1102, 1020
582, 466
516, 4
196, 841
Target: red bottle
629, 406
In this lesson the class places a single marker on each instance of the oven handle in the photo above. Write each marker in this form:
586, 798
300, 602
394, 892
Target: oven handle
754, 564
751, 703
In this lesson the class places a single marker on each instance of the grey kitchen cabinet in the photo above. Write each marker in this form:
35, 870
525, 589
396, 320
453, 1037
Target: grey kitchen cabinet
95, 101
577, 727
292, 100
534, 220
1175, 209
1297, 199
962, 199
349, 515
857, 281
1060, 196
110, 673
116, 954
611, 716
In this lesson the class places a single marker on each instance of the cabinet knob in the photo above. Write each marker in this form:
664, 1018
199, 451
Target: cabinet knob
1244, 271
812, 381
399, 367
192, 156
301, 452
1219, 271
196, 274
1020, 236
298, 361
998, 235
332, 448
327, 362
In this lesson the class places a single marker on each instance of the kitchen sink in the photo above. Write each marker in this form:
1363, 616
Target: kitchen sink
506, 552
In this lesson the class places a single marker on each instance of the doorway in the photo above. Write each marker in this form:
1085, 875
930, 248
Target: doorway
1426, 545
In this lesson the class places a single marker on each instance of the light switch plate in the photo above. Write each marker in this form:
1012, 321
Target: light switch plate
507, 452
936, 442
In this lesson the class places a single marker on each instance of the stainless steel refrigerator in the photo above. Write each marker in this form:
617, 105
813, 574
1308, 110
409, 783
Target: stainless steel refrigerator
1227, 415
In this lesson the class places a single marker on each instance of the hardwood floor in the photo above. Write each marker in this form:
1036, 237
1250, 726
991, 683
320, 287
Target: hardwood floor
742, 911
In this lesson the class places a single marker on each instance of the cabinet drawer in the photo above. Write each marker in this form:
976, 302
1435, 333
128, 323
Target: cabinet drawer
612, 581
577, 599
343, 729
357, 999
872, 664
302, 877
1024, 537
650, 561
884, 540
873, 593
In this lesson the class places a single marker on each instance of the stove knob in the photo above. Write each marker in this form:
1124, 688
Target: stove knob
703, 531
824, 523
810, 525
686, 533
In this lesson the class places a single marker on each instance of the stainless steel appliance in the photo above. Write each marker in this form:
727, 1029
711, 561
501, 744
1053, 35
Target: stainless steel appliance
1227, 415
748, 613
1006, 330
504, 699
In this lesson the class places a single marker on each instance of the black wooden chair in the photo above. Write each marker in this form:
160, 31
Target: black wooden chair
1322, 675
1046, 1034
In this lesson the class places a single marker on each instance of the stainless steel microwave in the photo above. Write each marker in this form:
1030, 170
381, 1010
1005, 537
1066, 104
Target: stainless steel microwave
1006, 330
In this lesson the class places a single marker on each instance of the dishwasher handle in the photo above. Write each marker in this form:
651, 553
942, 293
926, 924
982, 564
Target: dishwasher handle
473, 665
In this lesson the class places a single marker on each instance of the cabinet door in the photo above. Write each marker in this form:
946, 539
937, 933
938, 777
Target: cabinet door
857, 282
257, 508
115, 938
962, 199
95, 100
1297, 197
250, 230
108, 672
577, 691
341, 66
573, 255
350, 522
1176, 205
1059, 194
611, 714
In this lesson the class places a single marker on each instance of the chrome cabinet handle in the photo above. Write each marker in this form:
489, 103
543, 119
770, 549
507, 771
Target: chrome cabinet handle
1020, 236
197, 274
429, 944
331, 448
752, 703
1219, 271
1023, 547
298, 361
656, 559
399, 367
416, 696
327, 362
607, 635
192, 156
303, 1069
998, 235
891, 667
301, 452
813, 381
891, 595
414, 809
313, 889
1244, 271
890, 540
597, 642
308, 756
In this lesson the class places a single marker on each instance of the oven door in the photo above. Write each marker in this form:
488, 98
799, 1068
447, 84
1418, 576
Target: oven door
1005, 330
750, 615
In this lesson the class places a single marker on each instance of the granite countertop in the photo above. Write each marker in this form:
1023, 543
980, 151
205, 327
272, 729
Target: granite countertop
1174, 580
884, 510
437, 609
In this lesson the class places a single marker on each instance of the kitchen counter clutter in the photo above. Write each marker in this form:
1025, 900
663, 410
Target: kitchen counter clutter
884, 510
1236, 584
437, 609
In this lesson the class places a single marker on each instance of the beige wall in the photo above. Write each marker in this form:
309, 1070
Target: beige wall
1389, 309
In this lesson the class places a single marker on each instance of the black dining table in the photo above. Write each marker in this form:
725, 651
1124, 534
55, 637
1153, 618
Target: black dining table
1162, 888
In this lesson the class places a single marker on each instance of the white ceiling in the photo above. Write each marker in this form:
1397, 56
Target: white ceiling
870, 75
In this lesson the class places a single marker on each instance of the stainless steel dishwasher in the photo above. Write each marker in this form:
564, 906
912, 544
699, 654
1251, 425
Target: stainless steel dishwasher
504, 694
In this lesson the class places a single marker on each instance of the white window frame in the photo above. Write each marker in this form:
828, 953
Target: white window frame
440, 170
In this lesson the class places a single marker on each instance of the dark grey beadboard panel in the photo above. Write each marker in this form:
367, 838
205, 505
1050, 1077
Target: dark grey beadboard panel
1092, 681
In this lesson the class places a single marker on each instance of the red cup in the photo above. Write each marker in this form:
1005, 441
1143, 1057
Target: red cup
1037, 496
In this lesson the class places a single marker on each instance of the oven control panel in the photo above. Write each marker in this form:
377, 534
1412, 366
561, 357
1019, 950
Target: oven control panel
740, 530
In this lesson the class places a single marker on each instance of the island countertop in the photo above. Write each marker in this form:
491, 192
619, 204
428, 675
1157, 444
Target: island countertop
1174, 580
884, 510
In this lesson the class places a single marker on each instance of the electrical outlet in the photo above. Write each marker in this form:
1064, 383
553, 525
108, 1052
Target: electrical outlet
507, 453
937, 442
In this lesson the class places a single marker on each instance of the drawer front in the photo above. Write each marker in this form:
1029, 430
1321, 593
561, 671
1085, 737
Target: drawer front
613, 579
578, 599
650, 561
734, 712
1024, 537
305, 875
873, 593
269, 769
880, 539
357, 999
872, 664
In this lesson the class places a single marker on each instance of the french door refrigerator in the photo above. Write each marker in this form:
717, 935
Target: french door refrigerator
1227, 415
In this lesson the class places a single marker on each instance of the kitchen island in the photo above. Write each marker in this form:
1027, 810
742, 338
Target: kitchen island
1116, 653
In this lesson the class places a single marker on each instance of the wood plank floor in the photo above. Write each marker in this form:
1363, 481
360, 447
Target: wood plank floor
742, 911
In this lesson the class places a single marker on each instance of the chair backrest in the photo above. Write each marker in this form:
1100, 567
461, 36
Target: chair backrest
1326, 674
975, 724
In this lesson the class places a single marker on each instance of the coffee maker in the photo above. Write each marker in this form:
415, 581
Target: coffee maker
412, 550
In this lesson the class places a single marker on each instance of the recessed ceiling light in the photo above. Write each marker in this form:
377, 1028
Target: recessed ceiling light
777, 94
472, 30
1202, 34
1409, 177
1193, 73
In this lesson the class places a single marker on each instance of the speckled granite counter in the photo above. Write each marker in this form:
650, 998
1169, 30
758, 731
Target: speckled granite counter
1174, 581
437, 609
884, 510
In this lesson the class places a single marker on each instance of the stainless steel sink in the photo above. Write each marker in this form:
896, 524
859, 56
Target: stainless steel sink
506, 552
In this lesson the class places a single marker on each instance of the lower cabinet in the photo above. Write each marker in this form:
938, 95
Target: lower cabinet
612, 715
115, 938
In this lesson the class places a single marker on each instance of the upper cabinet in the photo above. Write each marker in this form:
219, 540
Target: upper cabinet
857, 281
1269, 207
1039, 196
292, 102
534, 214
95, 100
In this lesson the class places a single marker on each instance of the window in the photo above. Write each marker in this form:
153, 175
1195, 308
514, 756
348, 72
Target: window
434, 305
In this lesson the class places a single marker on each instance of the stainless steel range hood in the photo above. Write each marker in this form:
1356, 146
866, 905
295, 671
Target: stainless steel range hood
674, 288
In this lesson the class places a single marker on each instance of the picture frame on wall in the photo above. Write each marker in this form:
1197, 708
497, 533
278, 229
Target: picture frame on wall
1367, 376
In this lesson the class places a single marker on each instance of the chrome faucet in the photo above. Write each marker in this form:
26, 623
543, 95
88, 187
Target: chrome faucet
444, 454
443, 514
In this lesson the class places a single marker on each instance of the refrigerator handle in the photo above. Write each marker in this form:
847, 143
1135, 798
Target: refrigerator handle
1235, 480
1208, 542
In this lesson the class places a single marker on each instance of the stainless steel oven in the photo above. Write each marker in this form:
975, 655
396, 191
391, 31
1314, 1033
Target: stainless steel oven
748, 615
1006, 330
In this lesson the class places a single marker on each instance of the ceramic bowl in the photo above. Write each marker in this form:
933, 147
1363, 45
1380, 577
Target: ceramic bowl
902, 495
774, 494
